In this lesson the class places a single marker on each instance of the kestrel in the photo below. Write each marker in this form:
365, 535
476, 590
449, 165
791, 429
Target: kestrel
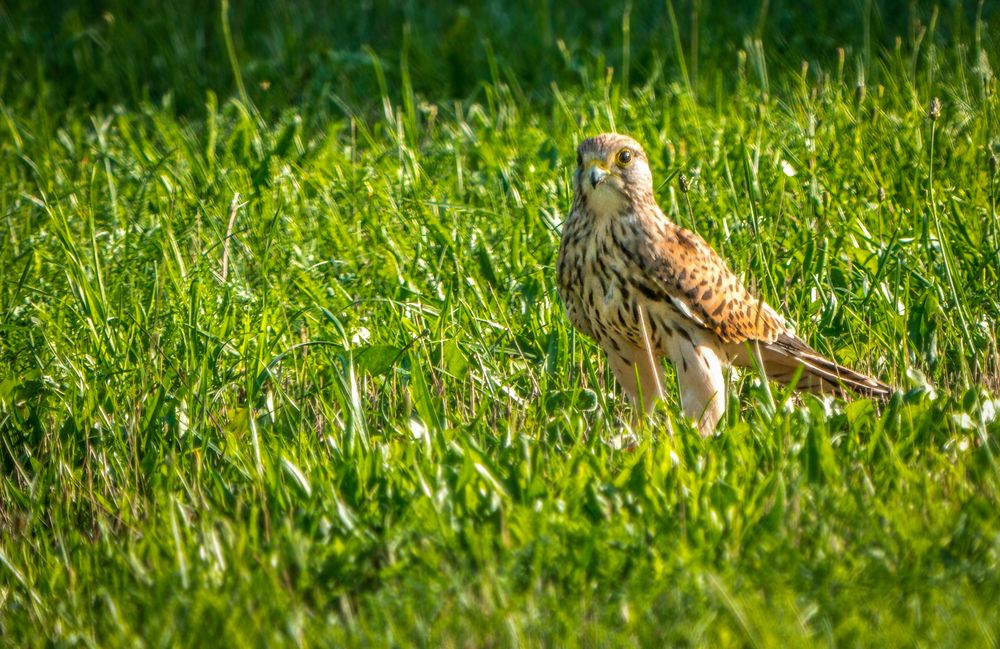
646, 288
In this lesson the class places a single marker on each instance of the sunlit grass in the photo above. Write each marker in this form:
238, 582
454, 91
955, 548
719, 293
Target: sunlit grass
294, 371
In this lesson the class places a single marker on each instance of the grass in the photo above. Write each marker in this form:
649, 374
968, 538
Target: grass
282, 359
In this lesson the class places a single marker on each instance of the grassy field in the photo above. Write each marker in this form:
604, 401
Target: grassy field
282, 361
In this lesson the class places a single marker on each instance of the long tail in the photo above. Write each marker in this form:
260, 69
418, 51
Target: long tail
783, 358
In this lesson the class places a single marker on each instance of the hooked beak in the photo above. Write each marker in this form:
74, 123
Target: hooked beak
597, 174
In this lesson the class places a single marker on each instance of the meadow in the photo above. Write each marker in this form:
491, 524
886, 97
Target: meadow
282, 360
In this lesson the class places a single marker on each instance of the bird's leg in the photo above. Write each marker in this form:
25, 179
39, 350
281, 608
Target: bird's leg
641, 378
701, 382
643, 381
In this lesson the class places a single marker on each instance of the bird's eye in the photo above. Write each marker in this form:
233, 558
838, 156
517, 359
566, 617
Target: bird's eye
579, 159
623, 158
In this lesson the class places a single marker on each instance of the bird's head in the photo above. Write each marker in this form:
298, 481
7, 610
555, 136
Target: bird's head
612, 172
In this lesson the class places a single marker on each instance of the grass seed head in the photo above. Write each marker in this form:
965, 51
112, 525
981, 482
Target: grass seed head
934, 110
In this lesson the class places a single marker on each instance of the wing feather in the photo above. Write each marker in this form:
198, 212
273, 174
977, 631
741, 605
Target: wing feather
684, 271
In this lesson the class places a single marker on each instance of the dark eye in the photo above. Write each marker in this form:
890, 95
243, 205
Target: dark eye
579, 159
624, 157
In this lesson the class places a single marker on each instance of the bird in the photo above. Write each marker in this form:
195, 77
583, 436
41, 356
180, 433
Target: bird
645, 288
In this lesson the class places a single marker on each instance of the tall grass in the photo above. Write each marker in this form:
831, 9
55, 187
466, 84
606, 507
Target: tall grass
282, 361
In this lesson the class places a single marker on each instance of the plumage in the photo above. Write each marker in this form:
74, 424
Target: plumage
645, 288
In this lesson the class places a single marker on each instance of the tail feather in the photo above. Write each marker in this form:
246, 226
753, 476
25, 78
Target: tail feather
783, 358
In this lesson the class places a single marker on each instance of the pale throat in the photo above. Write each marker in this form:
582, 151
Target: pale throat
606, 201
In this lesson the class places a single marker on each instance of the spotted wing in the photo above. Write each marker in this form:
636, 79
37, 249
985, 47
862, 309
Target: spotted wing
684, 270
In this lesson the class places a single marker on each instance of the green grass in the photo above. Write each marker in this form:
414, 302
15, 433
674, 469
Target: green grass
282, 360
